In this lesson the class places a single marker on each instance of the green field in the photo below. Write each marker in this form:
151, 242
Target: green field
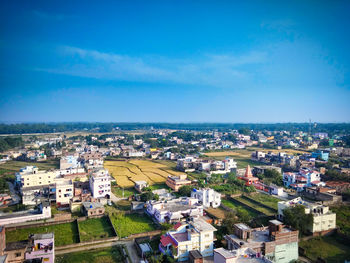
127, 191
129, 224
331, 248
255, 206
266, 200
65, 234
95, 228
105, 255
236, 206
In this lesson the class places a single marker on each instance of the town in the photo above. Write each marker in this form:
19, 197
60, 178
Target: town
176, 195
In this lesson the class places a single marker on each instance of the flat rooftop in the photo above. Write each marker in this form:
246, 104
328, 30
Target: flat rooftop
201, 225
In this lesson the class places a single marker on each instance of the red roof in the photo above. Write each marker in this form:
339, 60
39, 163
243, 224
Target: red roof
177, 225
166, 240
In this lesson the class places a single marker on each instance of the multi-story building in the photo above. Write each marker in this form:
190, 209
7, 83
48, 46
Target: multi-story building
304, 178
41, 248
30, 176
207, 196
174, 210
175, 182
69, 162
64, 192
323, 219
276, 242
193, 235
100, 184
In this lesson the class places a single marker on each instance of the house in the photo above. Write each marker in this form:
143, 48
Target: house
100, 183
323, 155
275, 190
276, 243
69, 162
246, 255
139, 185
207, 196
196, 234
91, 209
323, 220
64, 192
38, 248
304, 178
175, 182
174, 210
30, 176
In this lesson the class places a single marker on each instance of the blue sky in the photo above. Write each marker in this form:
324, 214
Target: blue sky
175, 61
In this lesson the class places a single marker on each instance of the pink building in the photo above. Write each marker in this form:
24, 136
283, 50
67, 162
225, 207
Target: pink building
41, 246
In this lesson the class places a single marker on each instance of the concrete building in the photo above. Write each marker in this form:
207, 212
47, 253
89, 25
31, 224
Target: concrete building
276, 242
100, 184
193, 235
69, 162
41, 248
91, 209
241, 255
139, 185
30, 176
175, 182
207, 196
64, 192
174, 210
304, 178
323, 219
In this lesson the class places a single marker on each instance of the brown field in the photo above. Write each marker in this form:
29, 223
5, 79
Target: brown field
228, 153
127, 172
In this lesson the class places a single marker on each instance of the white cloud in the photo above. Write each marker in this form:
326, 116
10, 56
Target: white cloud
222, 70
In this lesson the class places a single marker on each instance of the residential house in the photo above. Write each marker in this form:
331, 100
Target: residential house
175, 182
196, 234
207, 196
64, 192
100, 184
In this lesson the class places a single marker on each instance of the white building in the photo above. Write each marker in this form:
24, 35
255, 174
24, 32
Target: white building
194, 235
323, 218
100, 183
64, 192
207, 196
174, 210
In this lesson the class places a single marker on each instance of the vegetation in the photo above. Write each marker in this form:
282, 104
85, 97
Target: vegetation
104, 255
296, 217
7, 143
185, 190
265, 199
244, 214
128, 224
65, 234
343, 222
330, 248
123, 192
95, 228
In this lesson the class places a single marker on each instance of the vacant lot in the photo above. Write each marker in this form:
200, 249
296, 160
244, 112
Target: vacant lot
128, 224
95, 228
264, 210
127, 172
236, 206
267, 200
14, 166
65, 234
331, 248
105, 255
217, 212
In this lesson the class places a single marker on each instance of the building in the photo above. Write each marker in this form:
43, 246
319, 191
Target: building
30, 176
43, 212
175, 182
248, 177
139, 185
324, 220
64, 192
196, 234
174, 210
276, 243
41, 248
304, 178
207, 196
100, 184
91, 209
242, 255
322, 155
69, 162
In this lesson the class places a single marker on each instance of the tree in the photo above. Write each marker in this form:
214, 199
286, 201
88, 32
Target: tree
296, 217
185, 190
229, 221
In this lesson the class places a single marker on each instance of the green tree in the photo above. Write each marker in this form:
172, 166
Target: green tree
296, 217
185, 190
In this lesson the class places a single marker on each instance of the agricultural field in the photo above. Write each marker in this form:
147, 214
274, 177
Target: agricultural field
128, 224
11, 167
127, 172
257, 207
236, 207
103, 255
95, 228
65, 234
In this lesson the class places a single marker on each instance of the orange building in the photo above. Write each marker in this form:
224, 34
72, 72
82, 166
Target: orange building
248, 177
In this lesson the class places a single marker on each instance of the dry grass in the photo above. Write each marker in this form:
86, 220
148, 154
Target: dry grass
228, 153
127, 172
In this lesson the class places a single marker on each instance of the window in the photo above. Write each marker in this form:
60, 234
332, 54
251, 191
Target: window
206, 235
18, 254
207, 247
